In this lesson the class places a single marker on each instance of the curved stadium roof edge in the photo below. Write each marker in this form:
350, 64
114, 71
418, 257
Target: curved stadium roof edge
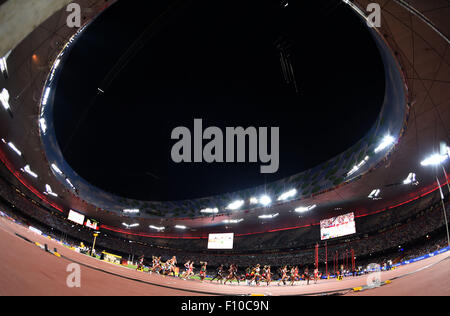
319, 179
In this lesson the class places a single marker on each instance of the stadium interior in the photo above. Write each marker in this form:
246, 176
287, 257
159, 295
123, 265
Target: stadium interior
381, 196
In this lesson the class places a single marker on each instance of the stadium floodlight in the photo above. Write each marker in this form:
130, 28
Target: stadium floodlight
374, 194
235, 205
287, 195
4, 65
411, 179
253, 200
270, 216
49, 191
27, 169
3, 141
4, 99
385, 143
57, 170
46, 95
130, 225
434, 160
157, 228
13, 147
210, 211
265, 200
55, 65
70, 184
358, 166
180, 227
303, 209
131, 211
233, 221
43, 125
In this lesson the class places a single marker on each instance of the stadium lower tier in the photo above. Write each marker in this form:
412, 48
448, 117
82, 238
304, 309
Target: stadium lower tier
48, 275
394, 235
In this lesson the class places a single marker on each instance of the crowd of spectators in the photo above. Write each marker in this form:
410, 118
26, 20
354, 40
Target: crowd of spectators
378, 234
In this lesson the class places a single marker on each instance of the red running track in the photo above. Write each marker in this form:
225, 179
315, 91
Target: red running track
28, 270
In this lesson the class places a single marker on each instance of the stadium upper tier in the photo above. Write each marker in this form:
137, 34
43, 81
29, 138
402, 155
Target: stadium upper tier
415, 118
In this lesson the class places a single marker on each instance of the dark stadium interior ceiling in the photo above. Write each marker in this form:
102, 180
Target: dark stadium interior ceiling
222, 64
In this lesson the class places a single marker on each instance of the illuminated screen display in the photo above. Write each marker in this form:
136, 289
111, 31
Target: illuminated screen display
337, 226
91, 224
220, 241
76, 217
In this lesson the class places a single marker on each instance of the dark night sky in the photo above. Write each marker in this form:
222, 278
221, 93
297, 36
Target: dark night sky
215, 60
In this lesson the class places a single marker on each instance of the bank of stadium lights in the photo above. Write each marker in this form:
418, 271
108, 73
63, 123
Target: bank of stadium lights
4, 65
235, 205
304, 209
43, 125
4, 99
387, 141
411, 179
284, 3
180, 227
27, 169
49, 191
435, 159
14, 148
131, 211
70, 184
269, 216
375, 194
287, 195
56, 169
55, 65
358, 166
210, 211
46, 95
157, 228
128, 226
233, 221
253, 200
265, 200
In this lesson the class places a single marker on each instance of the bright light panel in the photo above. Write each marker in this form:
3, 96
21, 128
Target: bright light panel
265, 200
233, 221
4, 99
410, 179
57, 170
27, 169
131, 211
210, 211
304, 209
434, 160
287, 195
385, 143
270, 216
130, 225
13, 147
157, 228
235, 205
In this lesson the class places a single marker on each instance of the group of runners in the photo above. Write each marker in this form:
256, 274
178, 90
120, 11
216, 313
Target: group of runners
170, 268
254, 275
293, 275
